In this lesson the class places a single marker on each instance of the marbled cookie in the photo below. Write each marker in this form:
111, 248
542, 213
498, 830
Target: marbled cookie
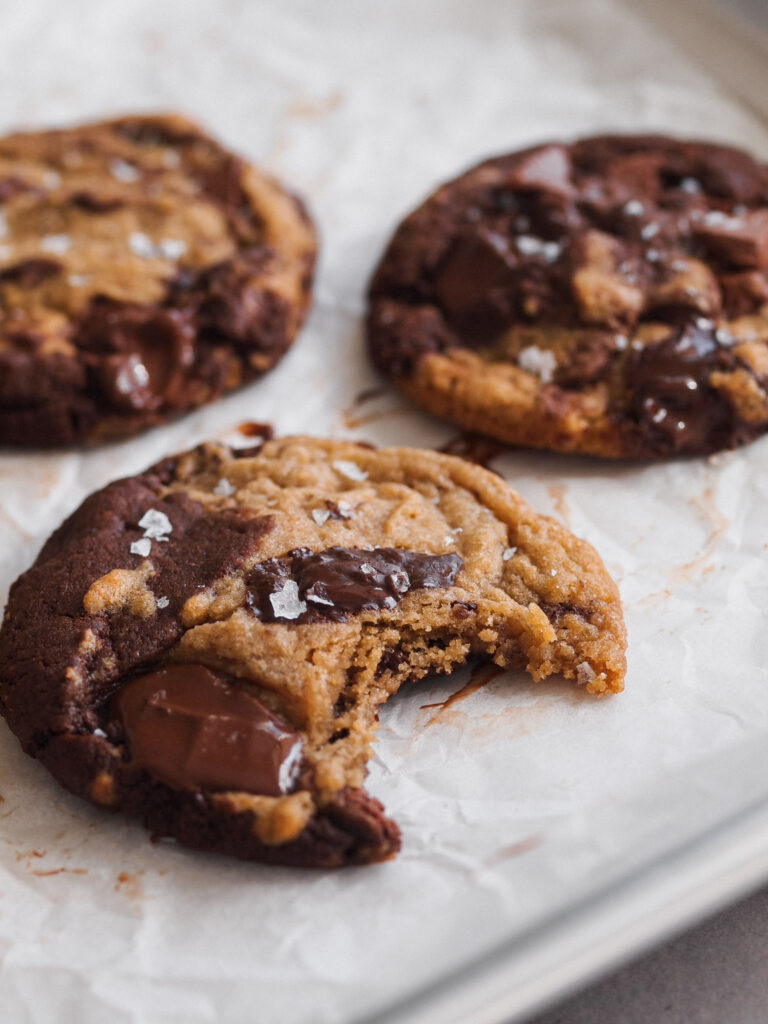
607, 297
206, 645
144, 271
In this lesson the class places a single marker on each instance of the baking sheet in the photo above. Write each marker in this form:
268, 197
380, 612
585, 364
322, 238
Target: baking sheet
522, 800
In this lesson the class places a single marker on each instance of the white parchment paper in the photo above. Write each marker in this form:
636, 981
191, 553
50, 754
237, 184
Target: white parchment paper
522, 797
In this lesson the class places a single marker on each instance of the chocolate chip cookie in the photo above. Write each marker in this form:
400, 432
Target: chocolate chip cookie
206, 645
144, 271
607, 297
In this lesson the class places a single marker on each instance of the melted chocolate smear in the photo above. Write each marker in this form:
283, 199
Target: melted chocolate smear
474, 448
193, 730
671, 398
309, 587
253, 429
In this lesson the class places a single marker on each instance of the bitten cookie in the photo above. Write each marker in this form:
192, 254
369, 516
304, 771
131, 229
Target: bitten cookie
144, 271
607, 297
206, 645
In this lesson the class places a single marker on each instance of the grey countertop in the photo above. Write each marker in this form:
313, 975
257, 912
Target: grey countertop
715, 974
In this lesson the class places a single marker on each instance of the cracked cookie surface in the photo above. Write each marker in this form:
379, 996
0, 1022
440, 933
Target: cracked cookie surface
608, 297
144, 271
206, 645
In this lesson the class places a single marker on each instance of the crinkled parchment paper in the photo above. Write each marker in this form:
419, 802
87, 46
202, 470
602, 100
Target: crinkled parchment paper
522, 797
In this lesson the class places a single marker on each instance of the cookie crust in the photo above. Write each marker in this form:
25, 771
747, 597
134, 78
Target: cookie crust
144, 271
608, 296
173, 567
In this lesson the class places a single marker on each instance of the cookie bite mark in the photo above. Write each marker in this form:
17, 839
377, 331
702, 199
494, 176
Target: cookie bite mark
523, 299
156, 271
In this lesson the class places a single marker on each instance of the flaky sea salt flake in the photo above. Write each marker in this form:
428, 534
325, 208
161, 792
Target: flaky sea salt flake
507, 553
223, 488
123, 171
320, 515
163, 602
56, 244
172, 248
155, 524
141, 547
350, 470
529, 245
286, 603
538, 361
141, 245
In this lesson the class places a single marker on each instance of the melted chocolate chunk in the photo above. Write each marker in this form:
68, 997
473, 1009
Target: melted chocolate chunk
193, 730
307, 587
32, 272
142, 355
671, 397
474, 281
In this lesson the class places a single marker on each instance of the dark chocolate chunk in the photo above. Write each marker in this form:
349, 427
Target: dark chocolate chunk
478, 264
547, 169
191, 729
671, 397
741, 241
143, 354
305, 586
32, 272
92, 202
